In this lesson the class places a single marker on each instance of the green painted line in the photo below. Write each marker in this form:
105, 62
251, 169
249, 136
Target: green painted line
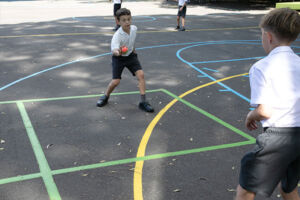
291, 5
74, 97
39, 154
250, 138
129, 160
19, 178
150, 157
46, 172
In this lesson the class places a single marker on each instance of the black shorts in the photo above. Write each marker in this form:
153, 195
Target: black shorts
117, 6
181, 13
275, 158
131, 62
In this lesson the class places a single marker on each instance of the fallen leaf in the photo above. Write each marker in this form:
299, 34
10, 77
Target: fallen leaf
2, 141
49, 145
177, 190
203, 179
231, 190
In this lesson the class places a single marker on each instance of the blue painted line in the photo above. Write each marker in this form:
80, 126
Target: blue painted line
208, 69
201, 76
100, 55
142, 48
246, 76
251, 108
224, 90
51, 68
231, 60
210, 77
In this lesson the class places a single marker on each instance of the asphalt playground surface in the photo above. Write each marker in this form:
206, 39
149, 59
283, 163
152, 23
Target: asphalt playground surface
56, 144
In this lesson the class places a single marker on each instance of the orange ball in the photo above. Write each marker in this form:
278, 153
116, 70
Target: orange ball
124, 49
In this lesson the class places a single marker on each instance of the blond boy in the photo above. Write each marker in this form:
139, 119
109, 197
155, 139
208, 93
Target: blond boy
275, 94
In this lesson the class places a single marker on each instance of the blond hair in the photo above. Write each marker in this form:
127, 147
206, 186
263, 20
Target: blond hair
283, 22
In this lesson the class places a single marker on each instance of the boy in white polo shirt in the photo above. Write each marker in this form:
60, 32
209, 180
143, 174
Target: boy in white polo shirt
117, 6
125, 36
181, 13
275, 94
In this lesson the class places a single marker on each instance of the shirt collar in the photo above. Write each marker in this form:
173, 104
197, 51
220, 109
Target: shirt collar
281, 49
122, 31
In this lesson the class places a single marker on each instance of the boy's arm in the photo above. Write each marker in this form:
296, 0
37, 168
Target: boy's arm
183, 5
115, 46
260, 113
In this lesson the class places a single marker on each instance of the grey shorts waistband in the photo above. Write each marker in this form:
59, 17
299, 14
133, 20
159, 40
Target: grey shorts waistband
282, 129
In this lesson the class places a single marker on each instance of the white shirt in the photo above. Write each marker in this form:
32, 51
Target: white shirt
122, 38
117, 1
275, 81
181, 2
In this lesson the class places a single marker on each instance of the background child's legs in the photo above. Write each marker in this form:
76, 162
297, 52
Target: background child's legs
140, 76
178, 21
111, 86
116, 20
182, 21
242, 194
294, 195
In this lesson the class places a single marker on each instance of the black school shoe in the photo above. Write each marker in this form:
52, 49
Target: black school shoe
145, 106
182, 29
177, 28
102, 101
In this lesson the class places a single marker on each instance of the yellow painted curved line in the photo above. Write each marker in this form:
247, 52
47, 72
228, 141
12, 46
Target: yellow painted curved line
138, 171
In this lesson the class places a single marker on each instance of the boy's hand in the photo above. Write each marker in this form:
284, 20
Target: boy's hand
250, 121
116, 52
262, 112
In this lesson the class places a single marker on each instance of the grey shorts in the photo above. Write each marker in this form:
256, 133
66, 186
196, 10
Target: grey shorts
117, 6
181, 13
131, 62
275, 158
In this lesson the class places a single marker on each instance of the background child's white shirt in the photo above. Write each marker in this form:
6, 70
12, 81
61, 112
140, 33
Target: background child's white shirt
181, 2
117, 1
275, 81
121, 38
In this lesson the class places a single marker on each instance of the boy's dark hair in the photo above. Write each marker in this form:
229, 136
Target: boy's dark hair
283, 22
121, 12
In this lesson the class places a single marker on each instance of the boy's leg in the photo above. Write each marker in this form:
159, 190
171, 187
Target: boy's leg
141, 78
111, 86
144, 105
242, 194
183, 23
178, 23
294, 195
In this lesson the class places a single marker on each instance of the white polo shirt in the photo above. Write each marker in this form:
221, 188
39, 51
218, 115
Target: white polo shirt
122, 38
181, 2
275, 81
117, 1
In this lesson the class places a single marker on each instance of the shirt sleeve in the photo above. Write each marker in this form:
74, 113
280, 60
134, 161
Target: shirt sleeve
260, 89
115, 43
